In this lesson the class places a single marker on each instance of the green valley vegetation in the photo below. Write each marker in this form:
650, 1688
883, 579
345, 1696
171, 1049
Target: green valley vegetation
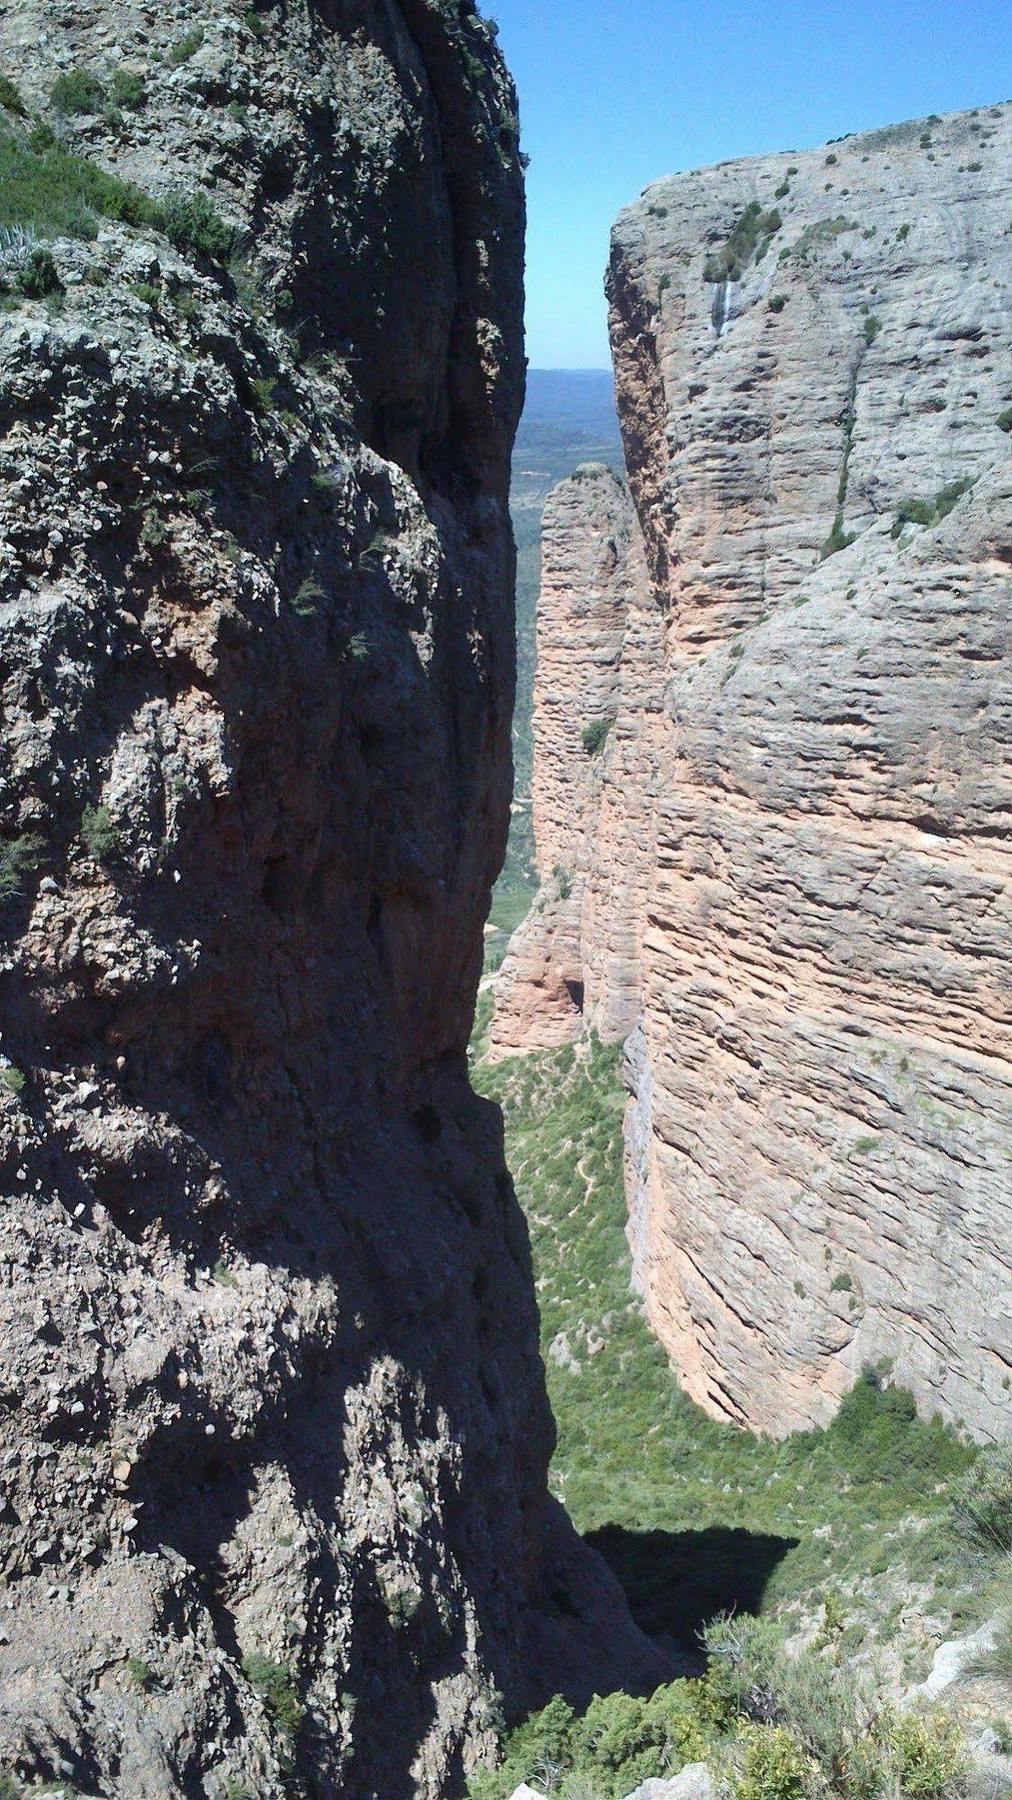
828, 1536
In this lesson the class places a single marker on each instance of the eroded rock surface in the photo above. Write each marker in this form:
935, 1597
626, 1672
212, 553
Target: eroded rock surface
793, 847
272, 1472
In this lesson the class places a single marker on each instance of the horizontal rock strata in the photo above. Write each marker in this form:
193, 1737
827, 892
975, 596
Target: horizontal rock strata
794, 847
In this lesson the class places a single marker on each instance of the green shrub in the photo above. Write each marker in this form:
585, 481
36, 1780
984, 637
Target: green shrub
191, 223
306, 596
927, 1754
777, 302
19, 857
185, 47
595, 735
782, 191
139, 1672
127, 88
930, 512
12, 1079
146, 291
820, 232
617, 1743
747, 241
276, 1687
10, 99
872, 327
78, 91
99, 832
38, 277
982, 1503
841, 1284
772, 1766
1004, 420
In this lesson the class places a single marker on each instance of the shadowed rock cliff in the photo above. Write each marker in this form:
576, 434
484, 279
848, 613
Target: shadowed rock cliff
791, 865
274, 1511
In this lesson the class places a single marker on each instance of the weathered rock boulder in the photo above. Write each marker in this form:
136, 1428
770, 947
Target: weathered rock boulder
795, 867
273, 1505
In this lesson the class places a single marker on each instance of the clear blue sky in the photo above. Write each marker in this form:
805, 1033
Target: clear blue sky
615, 93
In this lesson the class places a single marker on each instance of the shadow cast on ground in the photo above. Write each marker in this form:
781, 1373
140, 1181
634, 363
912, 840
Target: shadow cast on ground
675, 1581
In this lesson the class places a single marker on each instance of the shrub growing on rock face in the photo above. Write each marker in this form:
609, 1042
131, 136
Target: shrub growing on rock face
747, 241
191, 223
275, 1685
38, 278
19, 858
77, 91
595, 735
99, 832
127, 88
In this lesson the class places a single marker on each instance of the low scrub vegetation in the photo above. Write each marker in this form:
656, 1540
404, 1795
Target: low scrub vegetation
595, 735
747, 242
770, 1726
930, 512
723, 1540
19, 858
54, 193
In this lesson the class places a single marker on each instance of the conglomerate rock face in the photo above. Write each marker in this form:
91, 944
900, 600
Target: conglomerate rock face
793, 849
272, 1471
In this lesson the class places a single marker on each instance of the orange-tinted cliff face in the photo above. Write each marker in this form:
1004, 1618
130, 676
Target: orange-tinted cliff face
790, 860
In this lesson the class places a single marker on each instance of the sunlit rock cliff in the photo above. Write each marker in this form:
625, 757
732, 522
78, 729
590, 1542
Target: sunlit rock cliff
781, 865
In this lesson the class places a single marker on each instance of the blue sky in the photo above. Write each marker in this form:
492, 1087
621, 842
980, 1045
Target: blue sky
614, 94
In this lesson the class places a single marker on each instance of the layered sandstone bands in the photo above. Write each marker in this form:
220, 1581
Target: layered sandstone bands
813, 837
268, 1354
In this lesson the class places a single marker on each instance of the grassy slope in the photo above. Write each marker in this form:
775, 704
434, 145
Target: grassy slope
694, 1516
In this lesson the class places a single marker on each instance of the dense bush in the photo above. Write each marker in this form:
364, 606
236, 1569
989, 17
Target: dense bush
98, 829
77, 91
595, 735
191, 223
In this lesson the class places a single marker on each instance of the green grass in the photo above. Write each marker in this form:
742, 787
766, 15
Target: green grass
60, 194
695, 1516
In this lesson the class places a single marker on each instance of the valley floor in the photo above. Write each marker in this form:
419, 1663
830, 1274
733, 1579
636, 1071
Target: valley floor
843, 1536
